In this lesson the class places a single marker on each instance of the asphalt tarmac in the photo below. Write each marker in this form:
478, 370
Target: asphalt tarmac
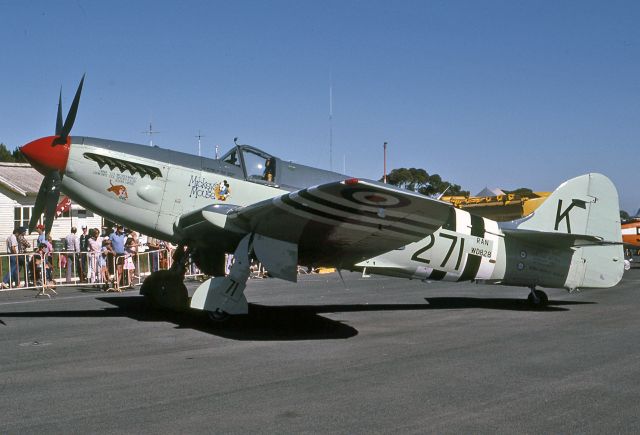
374, 355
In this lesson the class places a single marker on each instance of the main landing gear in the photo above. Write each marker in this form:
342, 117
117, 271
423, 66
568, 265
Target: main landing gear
537, 298
165, 288
221, 297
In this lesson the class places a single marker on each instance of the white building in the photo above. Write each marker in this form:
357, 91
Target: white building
19, 185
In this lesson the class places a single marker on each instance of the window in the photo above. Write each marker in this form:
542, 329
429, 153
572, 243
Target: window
259, 166
255, 165
21, 216
231, 158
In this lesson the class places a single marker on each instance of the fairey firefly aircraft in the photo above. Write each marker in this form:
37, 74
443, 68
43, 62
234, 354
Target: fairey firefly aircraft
284, 214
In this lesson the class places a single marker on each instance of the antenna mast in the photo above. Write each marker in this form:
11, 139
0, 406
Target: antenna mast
330, 123
150, 132
200, 136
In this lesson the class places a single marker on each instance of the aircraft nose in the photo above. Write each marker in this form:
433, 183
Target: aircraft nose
47, 153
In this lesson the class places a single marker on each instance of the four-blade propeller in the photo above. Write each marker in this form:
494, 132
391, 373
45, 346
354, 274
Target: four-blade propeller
49, 192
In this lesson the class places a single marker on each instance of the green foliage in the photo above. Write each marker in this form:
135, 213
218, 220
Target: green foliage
11, 157
5, 155
18, 157
420, 181
624, 215
523, 191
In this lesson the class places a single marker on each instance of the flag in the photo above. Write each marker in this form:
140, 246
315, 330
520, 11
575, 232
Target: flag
64, 205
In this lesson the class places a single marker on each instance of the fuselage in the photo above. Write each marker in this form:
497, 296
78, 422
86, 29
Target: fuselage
149, 188
631, 232
467, 247
473, 248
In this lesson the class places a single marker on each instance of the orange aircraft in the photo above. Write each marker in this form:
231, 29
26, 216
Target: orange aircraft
631, 232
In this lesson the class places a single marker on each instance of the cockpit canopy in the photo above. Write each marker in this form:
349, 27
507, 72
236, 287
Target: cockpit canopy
260, 167
257, 165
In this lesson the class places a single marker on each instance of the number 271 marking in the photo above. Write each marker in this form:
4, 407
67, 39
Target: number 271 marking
452, 246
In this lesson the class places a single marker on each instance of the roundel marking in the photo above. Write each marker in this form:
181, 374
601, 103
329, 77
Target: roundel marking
376, 199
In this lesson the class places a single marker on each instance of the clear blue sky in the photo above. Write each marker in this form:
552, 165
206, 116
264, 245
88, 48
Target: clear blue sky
492, 93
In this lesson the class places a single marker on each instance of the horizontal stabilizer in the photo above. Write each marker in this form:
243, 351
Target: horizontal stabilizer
559, 240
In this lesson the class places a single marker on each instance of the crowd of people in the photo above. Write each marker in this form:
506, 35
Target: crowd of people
108, 258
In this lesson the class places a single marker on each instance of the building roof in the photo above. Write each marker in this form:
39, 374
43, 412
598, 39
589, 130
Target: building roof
490, 192
20, 178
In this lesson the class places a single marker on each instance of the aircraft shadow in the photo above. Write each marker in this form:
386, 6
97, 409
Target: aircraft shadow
285, 322
448, 303
262, 323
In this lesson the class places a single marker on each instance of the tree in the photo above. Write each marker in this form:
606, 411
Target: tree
410, 179
11, 157
5, 155
523, 191
18, 157
624, 215
420, 181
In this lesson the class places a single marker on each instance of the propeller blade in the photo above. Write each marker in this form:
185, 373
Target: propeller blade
59, 119
53, 194
41, 199
71, 116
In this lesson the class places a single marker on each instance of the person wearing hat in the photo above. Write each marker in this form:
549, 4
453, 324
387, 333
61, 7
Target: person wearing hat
84, 249
12, 277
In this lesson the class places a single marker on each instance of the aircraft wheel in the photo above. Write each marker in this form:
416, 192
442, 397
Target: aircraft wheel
542, 301
165, 289
218, 316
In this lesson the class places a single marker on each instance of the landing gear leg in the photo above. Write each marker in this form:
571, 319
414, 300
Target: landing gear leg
222, 296
180, 260
537, 298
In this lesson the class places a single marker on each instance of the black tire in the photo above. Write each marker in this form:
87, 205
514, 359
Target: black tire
543, 299
165, 289
218, 316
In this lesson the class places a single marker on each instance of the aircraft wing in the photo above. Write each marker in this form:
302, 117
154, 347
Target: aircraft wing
336, 224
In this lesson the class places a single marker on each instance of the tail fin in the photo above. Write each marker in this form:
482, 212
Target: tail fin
582, 215
585, 205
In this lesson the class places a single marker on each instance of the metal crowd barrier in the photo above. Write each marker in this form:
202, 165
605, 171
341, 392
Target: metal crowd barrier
81, 268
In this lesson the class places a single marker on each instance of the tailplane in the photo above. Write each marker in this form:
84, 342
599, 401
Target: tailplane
582, 216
